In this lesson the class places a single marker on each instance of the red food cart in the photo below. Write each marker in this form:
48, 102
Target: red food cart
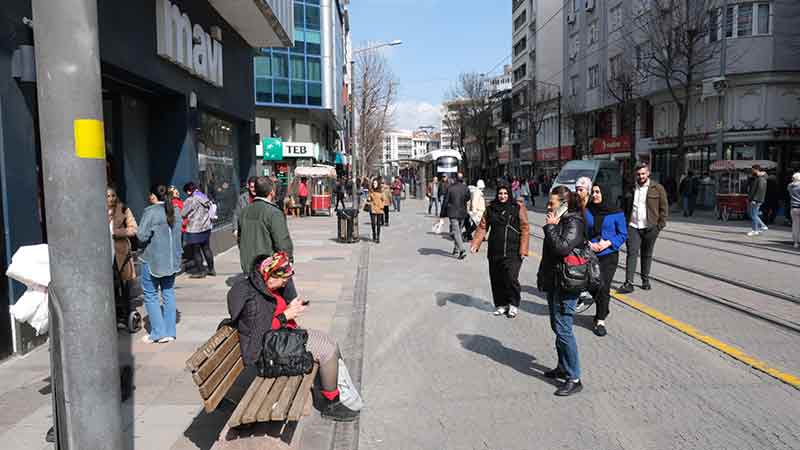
732, 179
321, 179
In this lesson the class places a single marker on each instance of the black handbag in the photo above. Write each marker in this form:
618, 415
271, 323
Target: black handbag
580, 271
283, 354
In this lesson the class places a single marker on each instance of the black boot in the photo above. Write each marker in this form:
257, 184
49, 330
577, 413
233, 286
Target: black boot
336, 411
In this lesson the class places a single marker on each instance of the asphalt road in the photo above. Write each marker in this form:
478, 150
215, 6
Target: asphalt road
440, 372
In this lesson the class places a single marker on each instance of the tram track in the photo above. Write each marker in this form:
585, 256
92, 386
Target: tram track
728, 251
721, 300
732, 242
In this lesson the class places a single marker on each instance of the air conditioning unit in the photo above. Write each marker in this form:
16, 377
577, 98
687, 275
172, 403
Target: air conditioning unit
570, 17
590, 5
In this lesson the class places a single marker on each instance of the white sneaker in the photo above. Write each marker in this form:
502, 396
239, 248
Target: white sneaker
165, 340
753, 233
146, 339
764, 228
500, 310
512, 311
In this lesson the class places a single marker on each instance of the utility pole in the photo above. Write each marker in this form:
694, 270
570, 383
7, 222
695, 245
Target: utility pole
84, 357
354, 164
722, 63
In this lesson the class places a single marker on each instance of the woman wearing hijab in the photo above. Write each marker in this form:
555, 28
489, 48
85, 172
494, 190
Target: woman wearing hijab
506, 221
607, 231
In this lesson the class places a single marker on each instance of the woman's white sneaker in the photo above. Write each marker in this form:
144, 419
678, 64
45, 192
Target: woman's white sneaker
165, 340
501, 310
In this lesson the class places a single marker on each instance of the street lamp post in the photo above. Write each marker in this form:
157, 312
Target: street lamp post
353, 146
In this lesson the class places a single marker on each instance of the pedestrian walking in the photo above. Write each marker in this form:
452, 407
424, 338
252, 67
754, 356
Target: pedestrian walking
433, 196
123, 228
258, 304
454, 207
444, 183
506, 221
197, 211
339, 190
245, 199
397, 192
794, 203
302, 196
525, 191
688, 190
515, 188
564, 230
262, 226
160, 234
607, 231
387, 200
756, 196
475, 209
375, 206
646, 210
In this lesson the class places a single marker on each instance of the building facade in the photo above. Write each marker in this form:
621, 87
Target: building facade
398, 146
301, 92
173, 112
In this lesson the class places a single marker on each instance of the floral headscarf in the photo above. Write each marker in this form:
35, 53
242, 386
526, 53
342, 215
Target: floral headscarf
276, 266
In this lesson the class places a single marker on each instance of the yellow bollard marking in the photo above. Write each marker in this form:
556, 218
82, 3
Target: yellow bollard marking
90, 140
694, 333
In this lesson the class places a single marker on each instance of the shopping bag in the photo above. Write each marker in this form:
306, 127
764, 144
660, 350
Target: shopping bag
348, 394
438, 227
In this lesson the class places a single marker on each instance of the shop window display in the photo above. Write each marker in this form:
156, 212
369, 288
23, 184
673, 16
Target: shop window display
216, 150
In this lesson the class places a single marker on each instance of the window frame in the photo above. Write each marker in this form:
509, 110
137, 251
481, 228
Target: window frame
593, 78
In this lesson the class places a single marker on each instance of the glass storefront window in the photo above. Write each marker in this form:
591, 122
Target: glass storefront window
281, 91
216, 154
280, 65
315, 94
264, 90
298, 92
262, 64
744, 151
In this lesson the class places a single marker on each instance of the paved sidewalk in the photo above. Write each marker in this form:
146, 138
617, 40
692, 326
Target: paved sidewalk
165, 412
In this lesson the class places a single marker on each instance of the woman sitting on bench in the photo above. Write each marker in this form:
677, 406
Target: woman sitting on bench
257, 305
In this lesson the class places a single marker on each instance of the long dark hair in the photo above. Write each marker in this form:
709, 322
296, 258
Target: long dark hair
571, 198
164, 194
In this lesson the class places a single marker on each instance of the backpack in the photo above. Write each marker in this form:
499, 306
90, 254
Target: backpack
580, 271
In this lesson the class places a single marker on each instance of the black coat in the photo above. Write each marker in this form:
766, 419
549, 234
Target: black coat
252, 308
559, 241
455, 201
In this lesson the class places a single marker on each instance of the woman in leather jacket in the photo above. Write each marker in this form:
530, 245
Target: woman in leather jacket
564, 230
507, 222
262, 302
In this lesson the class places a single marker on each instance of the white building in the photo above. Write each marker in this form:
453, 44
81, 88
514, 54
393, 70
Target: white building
424, 142
501, 82
397, 145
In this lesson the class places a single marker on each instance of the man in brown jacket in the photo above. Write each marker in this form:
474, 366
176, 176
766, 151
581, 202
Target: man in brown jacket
646, 209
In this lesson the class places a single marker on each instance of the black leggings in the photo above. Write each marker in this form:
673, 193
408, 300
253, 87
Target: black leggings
608, 267
385, 215
200, 251
504, 277
375, 221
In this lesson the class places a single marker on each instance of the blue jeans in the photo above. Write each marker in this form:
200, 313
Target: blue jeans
562, 314
396, 201
433, 202
754, 216
162, 324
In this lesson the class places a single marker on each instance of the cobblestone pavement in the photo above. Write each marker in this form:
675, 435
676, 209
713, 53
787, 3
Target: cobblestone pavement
441, 372
165, 412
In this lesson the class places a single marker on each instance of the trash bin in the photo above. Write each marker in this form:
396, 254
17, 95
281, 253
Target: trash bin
347, 225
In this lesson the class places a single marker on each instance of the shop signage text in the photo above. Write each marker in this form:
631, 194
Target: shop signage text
299, 150
611, 145
186, 45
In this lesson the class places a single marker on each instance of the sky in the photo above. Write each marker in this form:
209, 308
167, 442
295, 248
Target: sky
441, 39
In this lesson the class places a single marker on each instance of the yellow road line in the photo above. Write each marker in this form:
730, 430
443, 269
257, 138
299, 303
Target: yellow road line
694, 333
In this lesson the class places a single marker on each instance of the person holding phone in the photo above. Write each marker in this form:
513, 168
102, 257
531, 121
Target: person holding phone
257, 305
564, 230
506, 221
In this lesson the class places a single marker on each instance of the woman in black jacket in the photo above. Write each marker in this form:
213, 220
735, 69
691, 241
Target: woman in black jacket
506, 221
262, 302
564, 230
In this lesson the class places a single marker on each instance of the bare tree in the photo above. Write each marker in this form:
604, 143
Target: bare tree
676, 32
474, 105
624, 85
375, 92
540, 101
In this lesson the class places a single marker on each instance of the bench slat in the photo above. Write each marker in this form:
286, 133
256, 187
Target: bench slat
211, 383
236, 418
207, 349
231, 345
285, 400
212, 402
251, 412
298, 405
265, 411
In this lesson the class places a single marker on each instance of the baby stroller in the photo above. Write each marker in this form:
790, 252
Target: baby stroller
127, 315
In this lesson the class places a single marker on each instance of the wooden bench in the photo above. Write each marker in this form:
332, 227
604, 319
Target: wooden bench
216, 365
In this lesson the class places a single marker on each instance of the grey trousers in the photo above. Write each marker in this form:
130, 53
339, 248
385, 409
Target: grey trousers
455, 231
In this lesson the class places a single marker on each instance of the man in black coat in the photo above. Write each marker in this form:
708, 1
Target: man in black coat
454, 207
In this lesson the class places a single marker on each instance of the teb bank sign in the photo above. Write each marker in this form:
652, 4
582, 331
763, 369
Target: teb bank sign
187, 45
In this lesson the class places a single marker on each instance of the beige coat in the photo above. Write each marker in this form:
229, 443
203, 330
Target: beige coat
125, 227
376, 202
477, 205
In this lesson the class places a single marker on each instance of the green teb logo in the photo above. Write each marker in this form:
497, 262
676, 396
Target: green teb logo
273, 149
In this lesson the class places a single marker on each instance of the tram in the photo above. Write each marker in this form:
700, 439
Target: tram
441, 162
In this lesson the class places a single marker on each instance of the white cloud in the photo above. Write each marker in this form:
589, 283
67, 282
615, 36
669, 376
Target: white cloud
411, 114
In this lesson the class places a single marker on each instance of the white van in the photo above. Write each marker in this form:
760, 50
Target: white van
603, 172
